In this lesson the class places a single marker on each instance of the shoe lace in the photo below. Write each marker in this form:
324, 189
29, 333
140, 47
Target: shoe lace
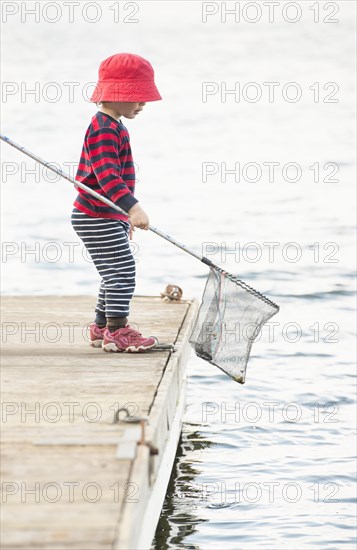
132, 333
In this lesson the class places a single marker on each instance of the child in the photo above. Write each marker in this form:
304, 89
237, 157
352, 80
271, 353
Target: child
126, 84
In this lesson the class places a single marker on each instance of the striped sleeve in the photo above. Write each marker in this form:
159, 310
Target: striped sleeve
104, 154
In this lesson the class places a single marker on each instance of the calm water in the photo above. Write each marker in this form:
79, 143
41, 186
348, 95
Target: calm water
269, 464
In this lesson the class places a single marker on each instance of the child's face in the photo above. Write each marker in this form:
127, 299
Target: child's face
127, 109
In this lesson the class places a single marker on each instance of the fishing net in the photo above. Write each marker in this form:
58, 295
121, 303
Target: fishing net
229, 319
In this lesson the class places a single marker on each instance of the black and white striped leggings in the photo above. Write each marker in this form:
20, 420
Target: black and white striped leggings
108, 245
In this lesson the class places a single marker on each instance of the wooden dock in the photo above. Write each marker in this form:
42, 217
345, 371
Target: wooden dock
73, 477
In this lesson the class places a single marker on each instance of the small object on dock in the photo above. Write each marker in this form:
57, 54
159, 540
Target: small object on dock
162, 347
172, 293
128, 417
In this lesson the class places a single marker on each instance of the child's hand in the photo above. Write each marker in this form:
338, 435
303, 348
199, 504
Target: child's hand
138, 218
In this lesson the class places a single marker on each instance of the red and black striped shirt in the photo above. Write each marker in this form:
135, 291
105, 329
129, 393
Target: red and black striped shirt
107, 166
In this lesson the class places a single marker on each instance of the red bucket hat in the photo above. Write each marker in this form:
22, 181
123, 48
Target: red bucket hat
125, 77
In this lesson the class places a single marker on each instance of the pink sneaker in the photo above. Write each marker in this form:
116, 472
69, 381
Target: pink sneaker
96, 335
127, 339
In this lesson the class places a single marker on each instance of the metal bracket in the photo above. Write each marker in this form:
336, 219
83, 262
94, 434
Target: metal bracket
129, 419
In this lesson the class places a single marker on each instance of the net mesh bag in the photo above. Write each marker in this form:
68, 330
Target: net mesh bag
229, 319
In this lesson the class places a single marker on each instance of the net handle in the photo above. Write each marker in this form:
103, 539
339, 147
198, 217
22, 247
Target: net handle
103, 199
152, 228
